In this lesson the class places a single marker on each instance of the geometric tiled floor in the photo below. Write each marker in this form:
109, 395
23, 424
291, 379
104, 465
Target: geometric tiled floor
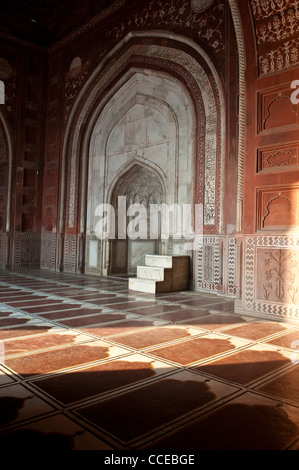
87, 364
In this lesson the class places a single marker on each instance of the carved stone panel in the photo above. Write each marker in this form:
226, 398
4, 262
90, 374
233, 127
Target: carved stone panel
282, 157
70, 254
278, 208
277, 275
27, 250
276, 109
48, 251
270, 276
209, 254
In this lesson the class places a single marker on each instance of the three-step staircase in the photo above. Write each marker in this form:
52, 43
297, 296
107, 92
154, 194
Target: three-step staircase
162, 273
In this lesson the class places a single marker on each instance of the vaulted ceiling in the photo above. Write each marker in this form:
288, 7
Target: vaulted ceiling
46, 21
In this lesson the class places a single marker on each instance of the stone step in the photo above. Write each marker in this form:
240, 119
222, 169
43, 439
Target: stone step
162, 274
151, 272
144, 285
162, 261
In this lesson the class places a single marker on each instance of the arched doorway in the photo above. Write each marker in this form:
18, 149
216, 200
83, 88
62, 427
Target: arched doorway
141, 146
170, 89
134, 195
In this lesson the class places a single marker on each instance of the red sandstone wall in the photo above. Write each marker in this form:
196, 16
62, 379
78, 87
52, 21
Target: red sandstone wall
23, 113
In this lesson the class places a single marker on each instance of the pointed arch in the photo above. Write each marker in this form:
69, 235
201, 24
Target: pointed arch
210, 96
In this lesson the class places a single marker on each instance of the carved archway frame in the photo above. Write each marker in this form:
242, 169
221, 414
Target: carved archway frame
177, 56
8, 137
237, 21
5, 241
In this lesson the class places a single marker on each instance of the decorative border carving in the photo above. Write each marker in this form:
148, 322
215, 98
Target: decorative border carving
27, 250
69, 252
48, 251
3, 250
208, 25
209, 264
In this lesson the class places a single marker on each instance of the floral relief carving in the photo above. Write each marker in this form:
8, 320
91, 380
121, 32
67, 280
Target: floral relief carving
277, 30
142, 186
280, 276
282, 58
196, 15
74, 79
285, 17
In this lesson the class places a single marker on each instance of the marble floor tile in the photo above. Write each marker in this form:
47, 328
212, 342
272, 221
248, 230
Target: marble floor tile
182, 315
194, 350
246, 365
87, 320
257, 330
61, 358
154, 405
287, 340
5, 378
69, 313
26, 345
154, 310
153, 336
12, 321
32, 327
34, 302
51, 307
216, 321
284, 386
117, 328
248, 422
18, 403
93, 296
88, 382
56, 433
